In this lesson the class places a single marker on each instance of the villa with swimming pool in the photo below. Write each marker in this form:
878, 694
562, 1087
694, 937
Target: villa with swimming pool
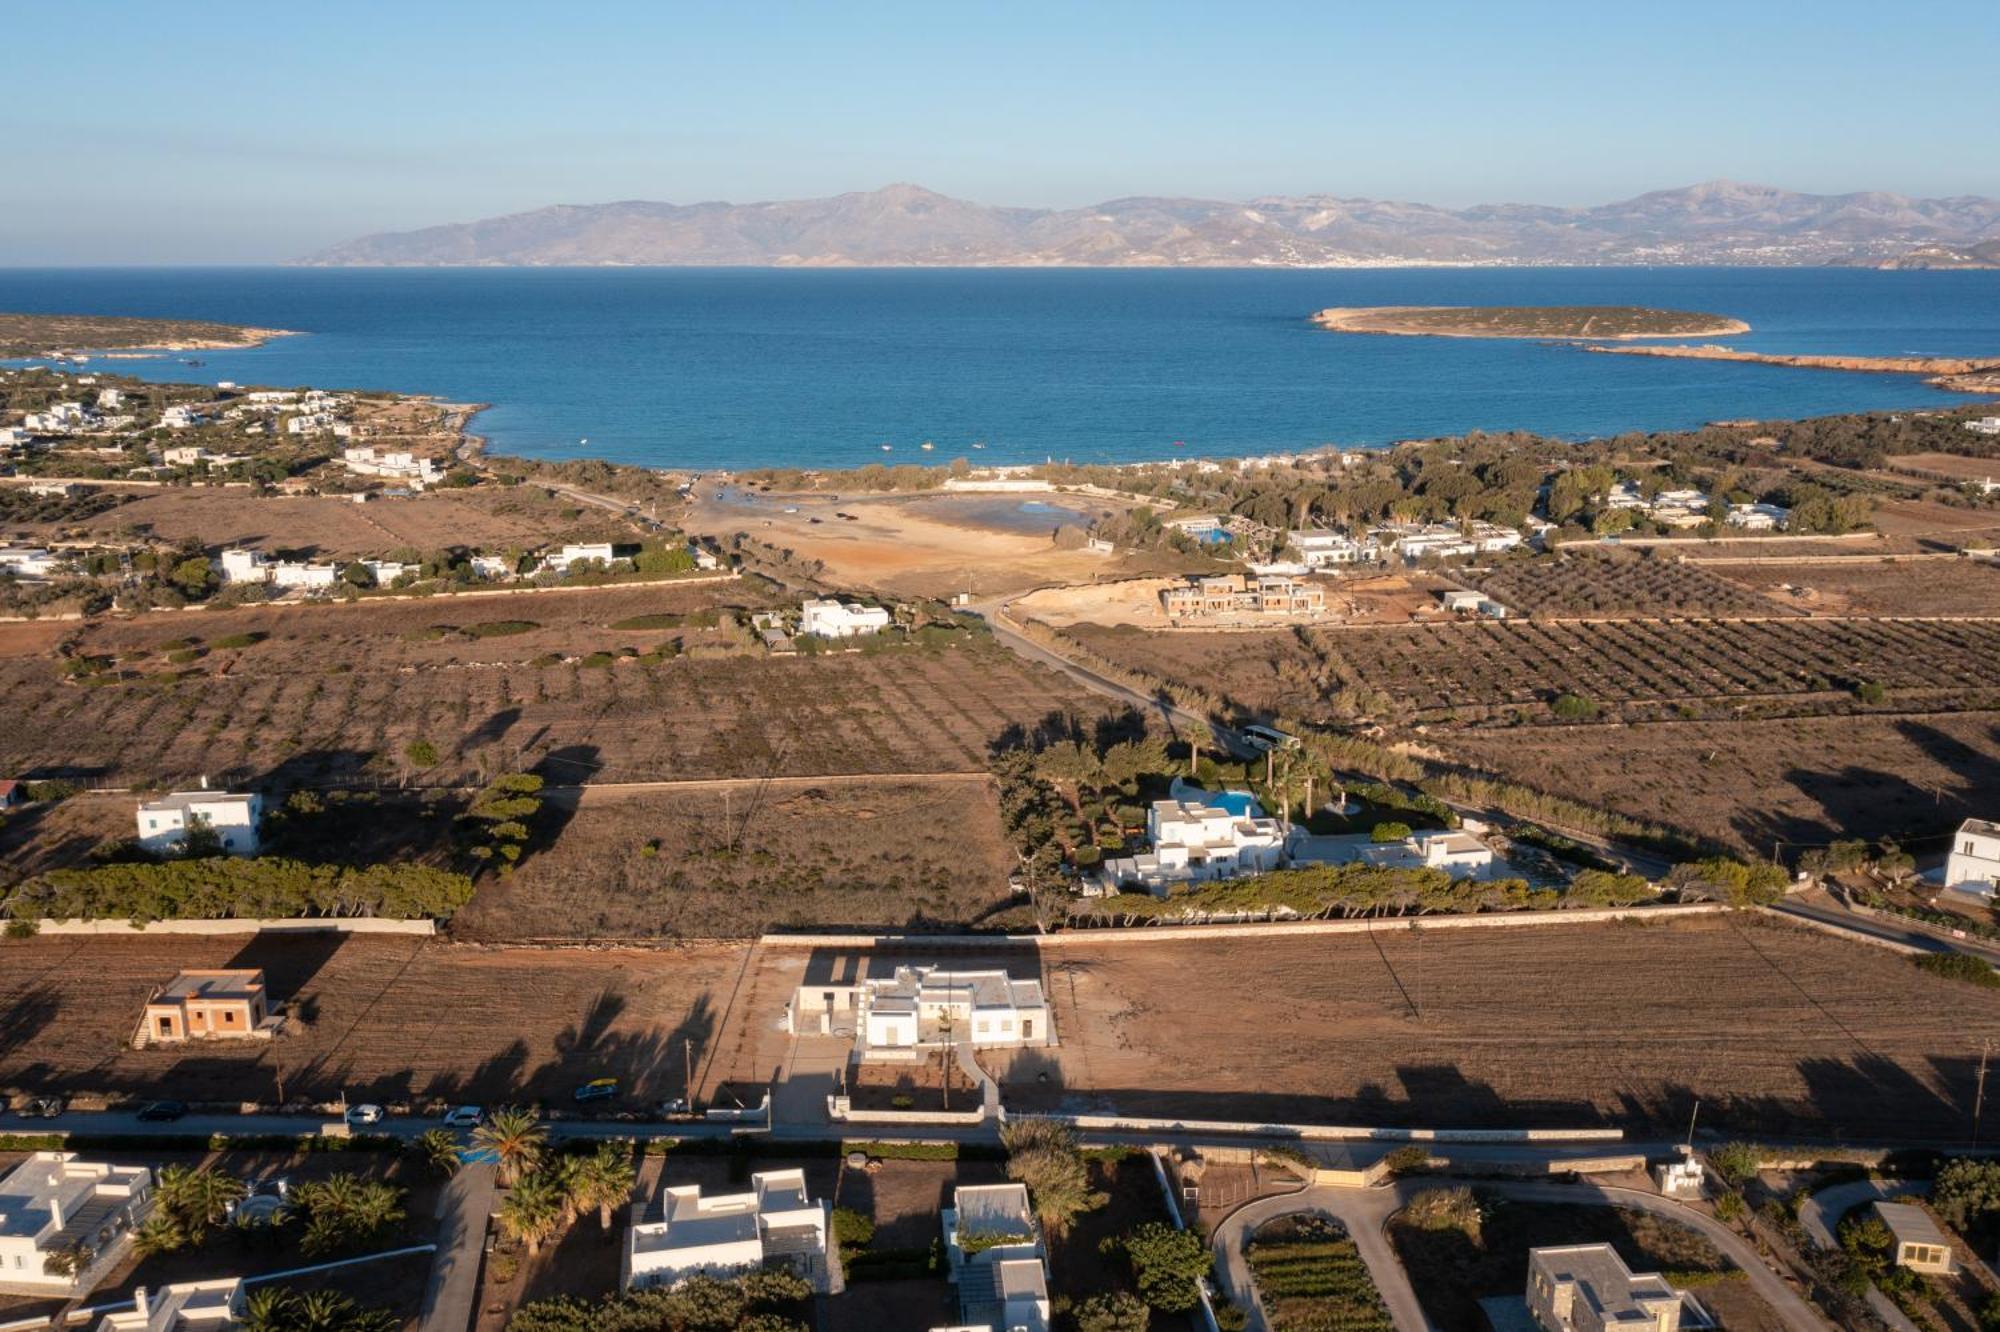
1198, 837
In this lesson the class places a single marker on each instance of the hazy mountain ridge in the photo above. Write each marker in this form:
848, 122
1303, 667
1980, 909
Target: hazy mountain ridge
1719, 222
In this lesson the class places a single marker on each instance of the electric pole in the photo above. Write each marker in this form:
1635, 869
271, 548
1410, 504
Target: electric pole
687, 1076
1691, 1118
1979, 1095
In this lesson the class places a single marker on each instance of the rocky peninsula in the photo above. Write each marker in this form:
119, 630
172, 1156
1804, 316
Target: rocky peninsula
1960, 373
1545, 322
65, 335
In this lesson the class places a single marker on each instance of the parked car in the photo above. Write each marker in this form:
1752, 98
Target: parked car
597, 1089
364, 1114
673, 1108
41, 1107
463, 1116
162, 1112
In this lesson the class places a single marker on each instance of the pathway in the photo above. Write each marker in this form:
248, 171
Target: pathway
452, 1295
1821, 1218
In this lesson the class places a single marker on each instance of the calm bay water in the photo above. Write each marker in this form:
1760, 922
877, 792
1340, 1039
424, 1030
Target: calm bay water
712, 368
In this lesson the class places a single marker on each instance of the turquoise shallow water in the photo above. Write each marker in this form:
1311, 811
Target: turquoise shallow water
715, 368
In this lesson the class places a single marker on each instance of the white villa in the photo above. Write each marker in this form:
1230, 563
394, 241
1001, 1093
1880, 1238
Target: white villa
28, 562
1320, 548
402, 465
1974, 863
243, 566
1458, 854
841, 619
774, 1223
233, 816
188, 1306
1195, 842
1984, 425
1758, 517
54, 1203
1588, 1288
996, 1259
492, 566
1416, 541
921, 1008
299, 573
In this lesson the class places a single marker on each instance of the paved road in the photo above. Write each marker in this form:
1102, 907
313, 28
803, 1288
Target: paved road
1908, 933
452, 1294
1822, 1213
1365, 1214
994, 612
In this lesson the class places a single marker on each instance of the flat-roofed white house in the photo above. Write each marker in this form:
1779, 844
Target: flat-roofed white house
1458, 854
65, 1222
1974, 863
187, 1306
923, 1007
28, 561
994, 1255
1921, 1244
1197, 842
1588, 1288
841, 619
1758, 517
232, 815
775, 1223
1321, 548
296, 573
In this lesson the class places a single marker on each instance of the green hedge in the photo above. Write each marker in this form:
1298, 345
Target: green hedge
229, 888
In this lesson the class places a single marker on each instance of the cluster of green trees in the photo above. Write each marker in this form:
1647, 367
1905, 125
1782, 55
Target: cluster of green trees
342, 1213
276, 1309
229, 888
1731, 881
753, 1302
546, 1191
1042, 1154
1326, 892
500, 820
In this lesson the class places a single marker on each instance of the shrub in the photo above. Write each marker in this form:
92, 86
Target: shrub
240, 640
1389, 830
1168, 1264
422, 753
1406, 1160
1737, 1163
499, 628
226, 888
1958, 967
1446, 1209
851, 1228
1967, 1192
1573, 707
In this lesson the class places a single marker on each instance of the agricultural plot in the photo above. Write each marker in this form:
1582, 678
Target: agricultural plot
1310, 1275
1863, 586
1446, 670
383, 1019
1268, 670
1747, 784
328, 526
551, 681
1776, 1029
1584, 586
735, 859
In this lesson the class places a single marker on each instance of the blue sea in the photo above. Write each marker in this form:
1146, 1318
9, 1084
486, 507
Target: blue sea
736, 368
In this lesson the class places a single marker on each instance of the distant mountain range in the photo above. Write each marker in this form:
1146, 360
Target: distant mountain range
1721, 222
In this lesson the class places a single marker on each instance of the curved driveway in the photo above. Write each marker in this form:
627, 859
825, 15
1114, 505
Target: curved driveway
1365, 1213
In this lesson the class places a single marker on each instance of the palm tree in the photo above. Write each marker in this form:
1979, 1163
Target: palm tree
570, 1177
197, 1199
322, 1311
440, 1151
159, 1233
516, 1138
532, 1211
270, 1309
611, 1176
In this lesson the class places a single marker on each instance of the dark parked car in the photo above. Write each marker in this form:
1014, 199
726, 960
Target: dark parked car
163, 1112
42, 1107
597, 1089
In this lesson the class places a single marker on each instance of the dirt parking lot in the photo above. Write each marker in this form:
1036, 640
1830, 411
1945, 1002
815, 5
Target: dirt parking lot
383, 1019
1774, 1027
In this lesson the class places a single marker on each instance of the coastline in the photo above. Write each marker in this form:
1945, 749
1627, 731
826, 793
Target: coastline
1959, 374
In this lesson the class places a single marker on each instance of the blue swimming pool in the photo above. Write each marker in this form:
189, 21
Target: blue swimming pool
1240, 803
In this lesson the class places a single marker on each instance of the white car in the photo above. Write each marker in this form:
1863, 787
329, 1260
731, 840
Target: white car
364, 1114
463, 1116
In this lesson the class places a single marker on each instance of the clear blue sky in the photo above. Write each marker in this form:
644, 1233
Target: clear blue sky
145, 132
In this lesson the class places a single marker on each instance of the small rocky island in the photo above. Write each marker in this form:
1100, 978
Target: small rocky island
46, 334
1592, 322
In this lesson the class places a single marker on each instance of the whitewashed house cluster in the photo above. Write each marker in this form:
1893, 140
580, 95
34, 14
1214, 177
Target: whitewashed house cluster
29, 562
60, 418
995, 1258
924, 1007
1323, 548
54, 1203
1758, 517
841, 619
775, 1223
1195, 841
397, 465
1419, 541
233, 816
251, 566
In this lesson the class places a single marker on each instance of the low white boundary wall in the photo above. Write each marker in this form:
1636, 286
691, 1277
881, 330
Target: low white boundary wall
243, 925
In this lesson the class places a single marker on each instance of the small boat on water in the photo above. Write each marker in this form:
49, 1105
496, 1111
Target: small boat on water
888, 448
978, 446
926, 446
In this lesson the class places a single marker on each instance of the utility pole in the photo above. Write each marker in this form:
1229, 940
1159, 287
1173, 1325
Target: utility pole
1979, 1096
687, 1064
1691, 1118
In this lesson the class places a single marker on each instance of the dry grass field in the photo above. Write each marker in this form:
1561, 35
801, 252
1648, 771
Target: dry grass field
1775, 1028
1956, 466
489, 518
735, 859
1864, 586
1804, 780
335, 693
384, 1019
1587, 585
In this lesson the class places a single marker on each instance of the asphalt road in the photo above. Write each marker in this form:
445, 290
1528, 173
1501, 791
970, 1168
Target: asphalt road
1909, 934
452, 1293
